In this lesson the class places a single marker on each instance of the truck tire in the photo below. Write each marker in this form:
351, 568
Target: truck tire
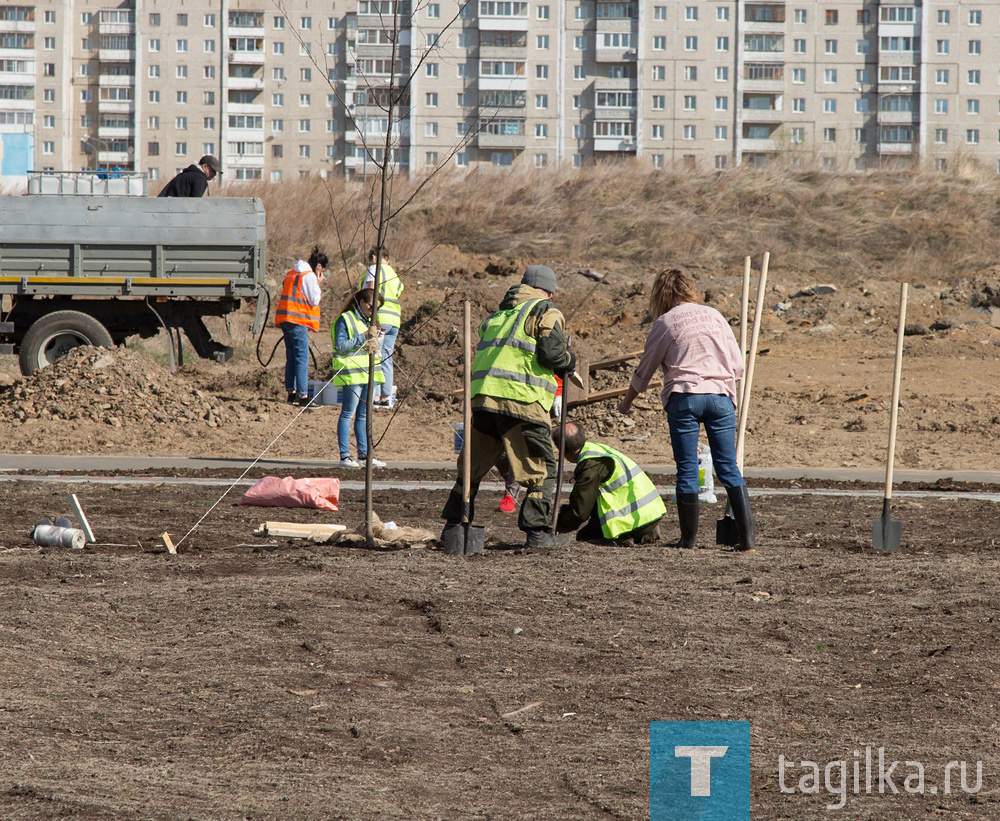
55, 334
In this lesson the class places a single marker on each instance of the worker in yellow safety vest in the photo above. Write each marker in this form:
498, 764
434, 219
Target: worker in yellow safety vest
297, 313
390, 288
353, 340
612, 496
521, 347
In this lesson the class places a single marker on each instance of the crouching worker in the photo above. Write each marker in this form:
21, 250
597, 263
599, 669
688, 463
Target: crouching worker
612, 496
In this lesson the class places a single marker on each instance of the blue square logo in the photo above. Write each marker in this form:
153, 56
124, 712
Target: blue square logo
699, 771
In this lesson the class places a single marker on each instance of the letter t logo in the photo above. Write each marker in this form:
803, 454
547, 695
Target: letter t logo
701, 766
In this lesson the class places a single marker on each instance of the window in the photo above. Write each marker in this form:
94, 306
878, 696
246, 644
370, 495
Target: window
690, 102
798, 134
50, 17
863, 17
49, 95
798, 75
542, 42
975, 47
941, 46
690, 12
305, 125
180, 149
829, 75
503, 158
181, 72
277, 47
541, 72
972, 106
659, 102
690, 132
86, 44
208, 46
722, 13
579, 73
975, 18
722, 44
208, 123
690, 43
659, 72
182, 97
432, 39
580, 13
861, 106
579, 132
940, 135
829, 135
944, 17
832, 17
305, 100
153, 123
940, 106
541, 101
153, 96
209, 72
153, 149
431, 99
430, 129
181, 123
830, 47
722, 132
305, 23
861, 47
656, 159
579, 43
829, 106
972, 136
433, 13
542, 13
860, 135
50, 43
721, 74
799, 105
279, 22
973, 76
278, 99
941, 76
659, 43
182, 45
657, 132
800, 16
208, 21
541, 131
304, 152
690, 72
277, 151
659, 12
799, 46
49, 121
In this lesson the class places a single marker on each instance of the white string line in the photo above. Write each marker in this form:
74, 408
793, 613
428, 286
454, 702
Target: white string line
261, 456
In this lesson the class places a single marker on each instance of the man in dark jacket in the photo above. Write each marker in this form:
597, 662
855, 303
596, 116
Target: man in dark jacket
193, 180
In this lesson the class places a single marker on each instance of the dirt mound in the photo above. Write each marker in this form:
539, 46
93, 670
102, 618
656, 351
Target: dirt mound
116, 387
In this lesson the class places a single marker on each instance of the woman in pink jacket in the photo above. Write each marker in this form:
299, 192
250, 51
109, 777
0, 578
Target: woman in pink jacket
696, 350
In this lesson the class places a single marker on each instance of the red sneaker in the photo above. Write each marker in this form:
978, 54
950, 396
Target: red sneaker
507, 504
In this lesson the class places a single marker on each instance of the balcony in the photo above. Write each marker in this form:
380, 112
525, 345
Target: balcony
896, 149
247, 58
763, 115
116, 80
503, 83
897, 117
17, 78
607, 113
616, 144
116, 55
245, 108
245, 31
503, 23
18, 26
113, 157
105, 132
502, 52
245, 83
19, 105
382, 50
115, 106
604, 54
751, 144
115, 28
485, 140
616, 24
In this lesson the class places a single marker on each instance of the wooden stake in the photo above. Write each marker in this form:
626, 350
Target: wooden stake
81, 518
758, 309
168, 543
467, 411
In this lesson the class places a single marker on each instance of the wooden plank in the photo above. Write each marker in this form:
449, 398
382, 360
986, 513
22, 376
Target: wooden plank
297, 530
81, 518
603, 364
168, 543
614, 393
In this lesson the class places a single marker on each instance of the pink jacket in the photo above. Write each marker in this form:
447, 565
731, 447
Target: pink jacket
697, 351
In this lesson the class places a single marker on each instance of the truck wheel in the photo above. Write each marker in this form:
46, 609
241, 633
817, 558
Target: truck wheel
55, 334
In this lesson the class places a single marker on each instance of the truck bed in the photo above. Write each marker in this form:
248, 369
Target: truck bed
131, 246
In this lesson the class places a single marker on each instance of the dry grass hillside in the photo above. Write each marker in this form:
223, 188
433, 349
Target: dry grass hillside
918, 225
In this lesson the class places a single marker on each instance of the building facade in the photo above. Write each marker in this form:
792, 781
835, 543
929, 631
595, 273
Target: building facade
301, 88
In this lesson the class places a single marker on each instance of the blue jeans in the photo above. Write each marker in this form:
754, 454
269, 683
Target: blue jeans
388, 344
685, 412
355, 401
296, 357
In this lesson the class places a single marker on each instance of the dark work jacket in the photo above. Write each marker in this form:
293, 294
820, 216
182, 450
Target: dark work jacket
191, 182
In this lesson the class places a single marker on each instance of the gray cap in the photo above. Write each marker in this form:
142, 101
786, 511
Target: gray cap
540, 276
211, 162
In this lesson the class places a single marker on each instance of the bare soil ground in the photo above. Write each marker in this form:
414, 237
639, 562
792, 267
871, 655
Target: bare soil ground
284, 680
278, 679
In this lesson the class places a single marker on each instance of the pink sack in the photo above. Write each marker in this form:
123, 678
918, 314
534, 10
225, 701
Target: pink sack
288, 492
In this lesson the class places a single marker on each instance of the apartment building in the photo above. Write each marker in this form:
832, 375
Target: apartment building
303, 87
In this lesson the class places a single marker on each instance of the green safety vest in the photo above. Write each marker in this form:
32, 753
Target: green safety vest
628, 499
352, 368
390, 287
506, 366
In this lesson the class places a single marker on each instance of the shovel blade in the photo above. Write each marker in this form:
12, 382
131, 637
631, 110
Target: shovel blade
726, 532
885, 533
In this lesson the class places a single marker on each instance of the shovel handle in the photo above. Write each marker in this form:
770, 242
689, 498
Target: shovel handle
758, 310
467, 411
897, 374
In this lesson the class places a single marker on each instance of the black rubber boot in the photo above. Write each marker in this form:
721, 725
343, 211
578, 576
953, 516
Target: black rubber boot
688, 508
545, 538
739, 501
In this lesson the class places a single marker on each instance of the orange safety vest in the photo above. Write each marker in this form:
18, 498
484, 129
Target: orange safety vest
292, 307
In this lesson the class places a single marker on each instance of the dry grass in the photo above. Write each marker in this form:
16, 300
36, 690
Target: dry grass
921, 225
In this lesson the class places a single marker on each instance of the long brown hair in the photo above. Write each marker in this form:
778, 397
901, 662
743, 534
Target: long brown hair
671, 288
353, 300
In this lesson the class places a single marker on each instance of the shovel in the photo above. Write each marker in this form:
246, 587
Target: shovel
465, 539
726, 532
886, 531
